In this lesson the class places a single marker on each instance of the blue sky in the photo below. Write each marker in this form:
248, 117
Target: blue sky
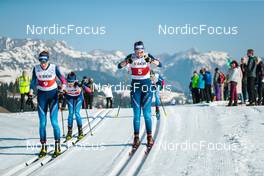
132, 20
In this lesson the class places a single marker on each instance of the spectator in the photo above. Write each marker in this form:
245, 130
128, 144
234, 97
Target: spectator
251, 76
194, 87
233, 79
109, 96
85, 94
259, 80
208, 85
201, 86
243, 67
92, 86
24, 87
217, 85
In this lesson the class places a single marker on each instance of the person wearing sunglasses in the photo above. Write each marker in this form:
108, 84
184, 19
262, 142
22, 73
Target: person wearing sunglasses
74, 97
141, 94
44, 78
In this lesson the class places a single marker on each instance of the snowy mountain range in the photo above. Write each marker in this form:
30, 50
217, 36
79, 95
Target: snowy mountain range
19, 54
178, 68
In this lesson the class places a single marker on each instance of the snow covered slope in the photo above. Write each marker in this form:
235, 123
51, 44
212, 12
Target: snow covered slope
191, 140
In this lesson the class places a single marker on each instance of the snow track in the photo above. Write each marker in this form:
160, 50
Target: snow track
33, 164
131, 165
186, 144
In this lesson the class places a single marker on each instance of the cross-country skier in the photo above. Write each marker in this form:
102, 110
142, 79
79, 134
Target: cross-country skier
158, 84
44, 77
141, 95
74, 97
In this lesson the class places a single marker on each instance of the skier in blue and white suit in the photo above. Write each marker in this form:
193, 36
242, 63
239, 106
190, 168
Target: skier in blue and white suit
158, 84
44, 77
141, 94
74, 97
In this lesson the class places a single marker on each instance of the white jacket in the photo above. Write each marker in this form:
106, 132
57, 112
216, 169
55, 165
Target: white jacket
235, 75
108, 92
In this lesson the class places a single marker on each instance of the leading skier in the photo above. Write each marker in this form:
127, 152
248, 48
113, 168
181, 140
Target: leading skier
141, 95
44, 77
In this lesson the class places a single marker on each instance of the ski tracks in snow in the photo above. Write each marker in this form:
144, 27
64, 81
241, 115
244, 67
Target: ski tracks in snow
239, 131
22, 169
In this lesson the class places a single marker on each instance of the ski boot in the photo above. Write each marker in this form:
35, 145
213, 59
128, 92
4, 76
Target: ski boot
135, 144
69, 134
150, 143
43, 151
229, 103
80, 133
150, 140
57, 150
157, 113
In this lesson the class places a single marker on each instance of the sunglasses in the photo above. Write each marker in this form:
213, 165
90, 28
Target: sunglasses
139, 51
43, 61
70, 83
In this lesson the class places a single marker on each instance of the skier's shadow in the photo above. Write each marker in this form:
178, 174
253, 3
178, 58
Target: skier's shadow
122, 117
23, 147
11, 147
20, 139
15, 153
16, 139
109, 145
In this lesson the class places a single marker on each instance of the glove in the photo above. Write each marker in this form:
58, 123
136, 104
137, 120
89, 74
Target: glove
129, 60
147, 59
76, 84
29, 100
63, 89
60, 95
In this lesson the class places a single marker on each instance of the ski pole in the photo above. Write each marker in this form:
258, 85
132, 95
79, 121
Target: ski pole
86, 111
89, 124
62, 121
163, 107
120, 101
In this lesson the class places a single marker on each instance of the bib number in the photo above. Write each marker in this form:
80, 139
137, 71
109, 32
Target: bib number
140, 71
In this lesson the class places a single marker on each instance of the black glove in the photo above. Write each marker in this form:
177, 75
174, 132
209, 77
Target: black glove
60, 95
129, 60
29, 100
76, 84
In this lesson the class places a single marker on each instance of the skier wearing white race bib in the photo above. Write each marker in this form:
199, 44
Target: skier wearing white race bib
44, 77
74, 97
141, 94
